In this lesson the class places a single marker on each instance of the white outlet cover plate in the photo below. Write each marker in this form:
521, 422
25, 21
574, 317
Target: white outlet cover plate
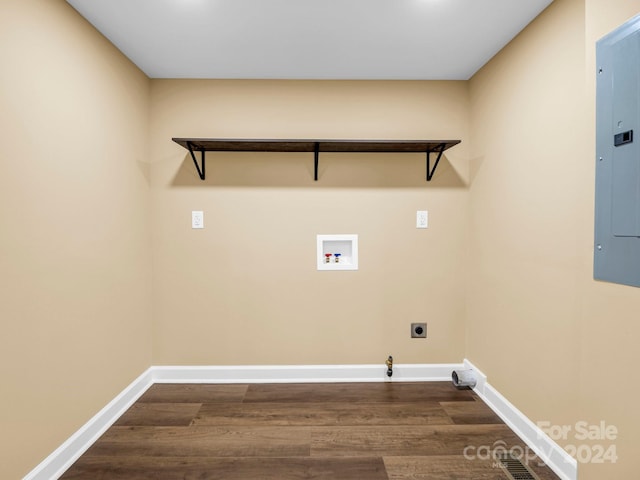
197, 219
422, 219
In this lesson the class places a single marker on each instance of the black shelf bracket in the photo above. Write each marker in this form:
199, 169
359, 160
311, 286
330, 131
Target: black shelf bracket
316, 156
439, 151
195, 162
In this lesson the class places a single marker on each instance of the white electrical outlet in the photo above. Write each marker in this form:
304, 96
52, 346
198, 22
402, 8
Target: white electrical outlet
197, 219
422, 219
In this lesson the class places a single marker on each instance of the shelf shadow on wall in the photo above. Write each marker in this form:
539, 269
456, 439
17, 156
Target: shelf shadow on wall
336, 170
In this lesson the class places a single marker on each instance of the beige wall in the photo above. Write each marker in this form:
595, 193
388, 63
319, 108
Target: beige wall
503, 275
74, 248
609, 315
554, 341
245, 290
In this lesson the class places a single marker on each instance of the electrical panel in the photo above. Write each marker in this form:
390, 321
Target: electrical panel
617, 208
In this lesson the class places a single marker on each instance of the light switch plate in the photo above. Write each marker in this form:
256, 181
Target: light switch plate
197, 219
422, 219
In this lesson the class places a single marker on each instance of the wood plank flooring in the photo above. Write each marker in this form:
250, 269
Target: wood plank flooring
342, 431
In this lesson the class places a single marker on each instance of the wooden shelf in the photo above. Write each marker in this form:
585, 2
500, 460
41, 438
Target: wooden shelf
316, 146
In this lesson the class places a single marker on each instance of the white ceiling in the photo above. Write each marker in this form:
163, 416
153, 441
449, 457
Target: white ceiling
310, 39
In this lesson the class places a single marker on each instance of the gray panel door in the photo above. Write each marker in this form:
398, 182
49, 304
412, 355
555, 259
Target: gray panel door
617, 195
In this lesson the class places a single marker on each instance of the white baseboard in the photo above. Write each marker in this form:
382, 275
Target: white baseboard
303, 373
61, 459
64, 456
564, 465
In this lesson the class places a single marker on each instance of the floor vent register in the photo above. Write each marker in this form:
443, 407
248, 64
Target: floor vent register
515, 468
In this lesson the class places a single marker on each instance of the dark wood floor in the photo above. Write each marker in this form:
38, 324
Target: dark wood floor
364, 431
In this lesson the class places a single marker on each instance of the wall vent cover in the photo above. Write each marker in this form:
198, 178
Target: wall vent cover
514, 468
